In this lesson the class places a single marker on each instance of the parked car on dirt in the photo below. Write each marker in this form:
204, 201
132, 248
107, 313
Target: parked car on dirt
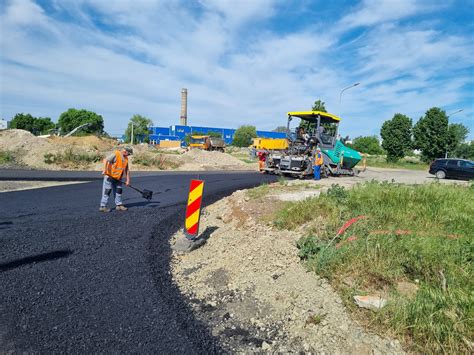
452, 168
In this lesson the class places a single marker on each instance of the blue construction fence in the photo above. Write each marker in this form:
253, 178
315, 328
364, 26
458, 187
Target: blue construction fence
178, 133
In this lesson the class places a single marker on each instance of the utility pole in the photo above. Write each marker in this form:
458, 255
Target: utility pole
131, 138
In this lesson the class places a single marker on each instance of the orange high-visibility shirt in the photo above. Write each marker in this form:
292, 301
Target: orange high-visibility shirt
318, 159
117, 169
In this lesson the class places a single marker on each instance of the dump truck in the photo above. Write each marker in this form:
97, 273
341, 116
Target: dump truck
270, 143
207, 143
321, 131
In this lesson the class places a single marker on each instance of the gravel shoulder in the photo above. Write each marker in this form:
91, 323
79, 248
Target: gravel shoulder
248, 283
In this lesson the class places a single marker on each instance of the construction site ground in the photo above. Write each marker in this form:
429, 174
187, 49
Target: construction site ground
249, 284
86, 153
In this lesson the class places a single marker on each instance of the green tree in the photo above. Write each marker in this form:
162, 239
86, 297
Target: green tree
457, 134
35, 125
141, 128
317, 106
464, 151
396, 135
42, 125
243, 136
369, 145
281, 129
73, 118
23, 121
431, 134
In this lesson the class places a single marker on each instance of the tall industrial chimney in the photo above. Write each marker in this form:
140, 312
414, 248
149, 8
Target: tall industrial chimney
184, 108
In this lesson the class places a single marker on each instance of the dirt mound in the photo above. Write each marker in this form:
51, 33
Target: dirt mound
84, 153
17, 139
196, 159
87, 142
27, 149
31, 151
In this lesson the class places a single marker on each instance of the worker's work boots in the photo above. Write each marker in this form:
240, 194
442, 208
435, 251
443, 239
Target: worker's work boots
104, 209
121, 208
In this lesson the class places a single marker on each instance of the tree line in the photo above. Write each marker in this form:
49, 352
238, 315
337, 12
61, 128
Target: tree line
67, 121
73, 118
432, 135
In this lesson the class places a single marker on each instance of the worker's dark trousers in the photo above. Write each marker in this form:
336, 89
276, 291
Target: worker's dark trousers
317, 172
113, 186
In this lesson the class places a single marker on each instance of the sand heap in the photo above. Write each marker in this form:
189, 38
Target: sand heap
27, 149
196, 159
88, 142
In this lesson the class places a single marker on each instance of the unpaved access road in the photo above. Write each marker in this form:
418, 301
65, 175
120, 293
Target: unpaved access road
73, 280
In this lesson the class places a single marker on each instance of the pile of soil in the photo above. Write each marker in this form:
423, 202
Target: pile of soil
197, 159
248, 283
87, 142
27, 149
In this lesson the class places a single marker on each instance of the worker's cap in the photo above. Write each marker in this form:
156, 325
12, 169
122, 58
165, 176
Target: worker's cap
128, 149
318, 149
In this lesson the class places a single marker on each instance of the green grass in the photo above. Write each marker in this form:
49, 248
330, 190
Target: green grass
417, 234
412, 163
72, 158
6, 157
258, 192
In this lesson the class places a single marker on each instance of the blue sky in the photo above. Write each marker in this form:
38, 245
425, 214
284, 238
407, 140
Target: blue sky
243, 62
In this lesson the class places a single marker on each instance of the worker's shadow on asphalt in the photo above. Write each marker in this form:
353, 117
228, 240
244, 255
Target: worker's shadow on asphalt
149, 204
57, 254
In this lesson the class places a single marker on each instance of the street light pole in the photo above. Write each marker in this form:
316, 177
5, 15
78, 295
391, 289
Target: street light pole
340, 95
451, 114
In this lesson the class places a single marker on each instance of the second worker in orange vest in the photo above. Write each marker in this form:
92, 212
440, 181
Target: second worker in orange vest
115, 168
318, 162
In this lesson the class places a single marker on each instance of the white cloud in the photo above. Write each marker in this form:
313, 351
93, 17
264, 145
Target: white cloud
372, 12
151, 50
24, 12
237, 12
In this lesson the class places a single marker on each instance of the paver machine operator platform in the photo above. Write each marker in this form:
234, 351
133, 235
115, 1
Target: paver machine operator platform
316, 129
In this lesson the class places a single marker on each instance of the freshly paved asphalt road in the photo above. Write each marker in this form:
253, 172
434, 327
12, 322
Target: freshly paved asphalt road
76, 280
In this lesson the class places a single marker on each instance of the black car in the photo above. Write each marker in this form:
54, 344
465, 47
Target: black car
452, 168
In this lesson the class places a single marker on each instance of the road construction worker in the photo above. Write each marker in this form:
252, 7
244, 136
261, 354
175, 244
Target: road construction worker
262, 157
115, 168
318, 162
